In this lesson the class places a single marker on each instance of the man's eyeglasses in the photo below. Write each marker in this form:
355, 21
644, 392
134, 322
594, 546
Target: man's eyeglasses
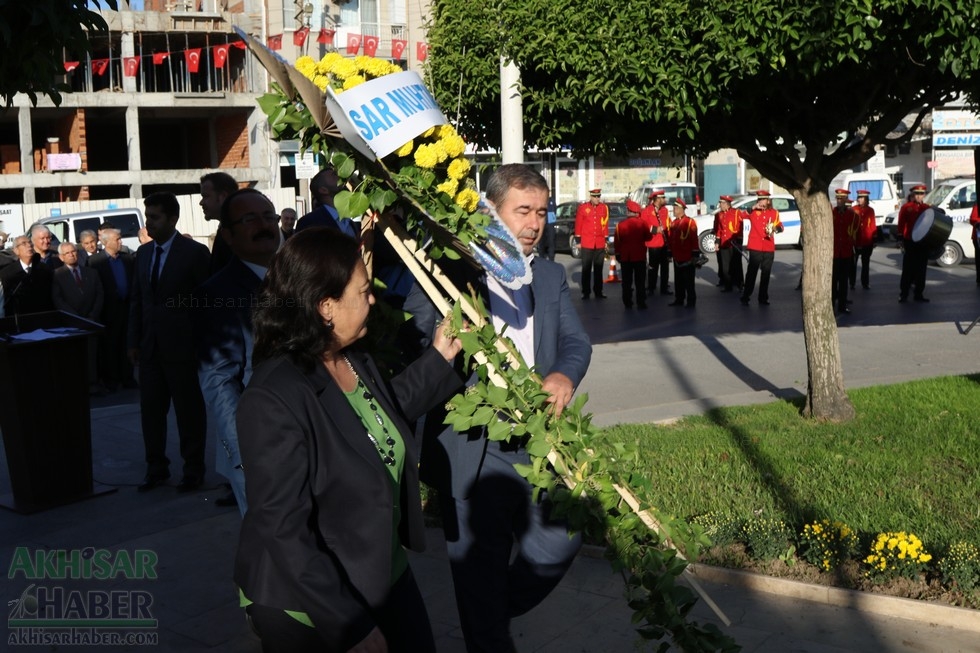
252, 218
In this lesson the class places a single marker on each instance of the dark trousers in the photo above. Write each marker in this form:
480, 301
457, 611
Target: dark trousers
730, 268
659, 265
758, 261
914, 263
159, 384
490, 588
402, 620
862, 254
546, 247
684, 284
634, 274
976, 258
114, 365
840, 279
592, 264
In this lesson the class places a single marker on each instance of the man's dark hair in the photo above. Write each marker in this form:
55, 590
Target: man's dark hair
165, 200
225, 218
314, 264
513, 175
222, 182
320, 179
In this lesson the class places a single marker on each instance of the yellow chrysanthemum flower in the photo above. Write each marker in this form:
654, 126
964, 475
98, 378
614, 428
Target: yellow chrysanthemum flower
353, 80
448, 187
326, 64
429, 132
343, 68
454, 144
468, 199
307, 66
405, 149
440, 150
321, 82
426, 157
458, 168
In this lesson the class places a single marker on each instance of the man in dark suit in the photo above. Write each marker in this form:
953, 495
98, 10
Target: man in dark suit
115, 269
486, 505
215, 189
249, 224
41, 240
323, 188
26, 281
168, 270
77, 289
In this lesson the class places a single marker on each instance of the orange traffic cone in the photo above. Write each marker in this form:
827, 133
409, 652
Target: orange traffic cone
613, 271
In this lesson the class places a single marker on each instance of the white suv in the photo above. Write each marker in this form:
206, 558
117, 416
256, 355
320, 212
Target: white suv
672, 190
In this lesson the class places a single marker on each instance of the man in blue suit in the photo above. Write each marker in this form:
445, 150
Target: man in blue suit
323, 189
250, 225
486, 505
168, 270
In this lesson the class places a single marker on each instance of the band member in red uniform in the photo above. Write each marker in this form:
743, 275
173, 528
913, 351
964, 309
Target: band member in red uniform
657, 219
592, 229
864, 241
764, 225
683, 237
631, 253
975, 221
728, 241
916, 258
845, 227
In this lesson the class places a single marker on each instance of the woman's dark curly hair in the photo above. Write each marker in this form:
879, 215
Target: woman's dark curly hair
314, 264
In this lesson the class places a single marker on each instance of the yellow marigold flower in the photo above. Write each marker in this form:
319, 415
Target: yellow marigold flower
458, 168
405, 149
426, 157
343, 68
440, 150
454, 144
353, 80
429, 132
448, 187
925, 557
467, 199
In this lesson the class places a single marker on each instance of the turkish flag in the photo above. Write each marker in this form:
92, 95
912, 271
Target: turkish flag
353, 43
130, 66
239, 44
421, 50
299, 36
70, 66
193, 59
158, 57
398, 48
370, 45
220, 55
99, 66
326, 35
275, 42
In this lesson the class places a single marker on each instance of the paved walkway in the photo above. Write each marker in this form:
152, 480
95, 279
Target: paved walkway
194, 600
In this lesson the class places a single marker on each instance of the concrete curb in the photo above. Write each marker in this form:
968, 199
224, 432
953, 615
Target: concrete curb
912, 609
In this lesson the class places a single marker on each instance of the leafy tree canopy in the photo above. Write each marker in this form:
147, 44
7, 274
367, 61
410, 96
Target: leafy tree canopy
34, 34
759, 76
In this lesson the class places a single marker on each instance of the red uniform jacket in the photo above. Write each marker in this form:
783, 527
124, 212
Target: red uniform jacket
660, 220
907, 216
728, 227
759, 240
683, 238
630, 239
845, 229
866, 226
975, 221
592, 225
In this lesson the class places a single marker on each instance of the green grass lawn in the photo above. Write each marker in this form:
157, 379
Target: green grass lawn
910, 461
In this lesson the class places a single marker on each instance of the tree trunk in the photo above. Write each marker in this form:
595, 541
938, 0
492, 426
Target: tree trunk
826, 397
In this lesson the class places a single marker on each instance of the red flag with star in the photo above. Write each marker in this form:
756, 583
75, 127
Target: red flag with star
398, 48
299, 36
70, 66
130, 66
99, 66
193, 59
325, 36
370, 45
220, 55
353, 43
421, 50
275, 42
159, 57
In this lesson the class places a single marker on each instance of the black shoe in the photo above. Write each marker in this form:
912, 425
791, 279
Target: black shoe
226, 501
922, 299
763, 302
690, 305
585, 295
151, 481
744, 300
600, 295
642, 307
676, 304
666, 292
866, 286
628, 304
902, 299
844, 310
189, 483
726, 290
852, 286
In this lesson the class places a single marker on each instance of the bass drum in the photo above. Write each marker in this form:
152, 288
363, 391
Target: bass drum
931, 229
